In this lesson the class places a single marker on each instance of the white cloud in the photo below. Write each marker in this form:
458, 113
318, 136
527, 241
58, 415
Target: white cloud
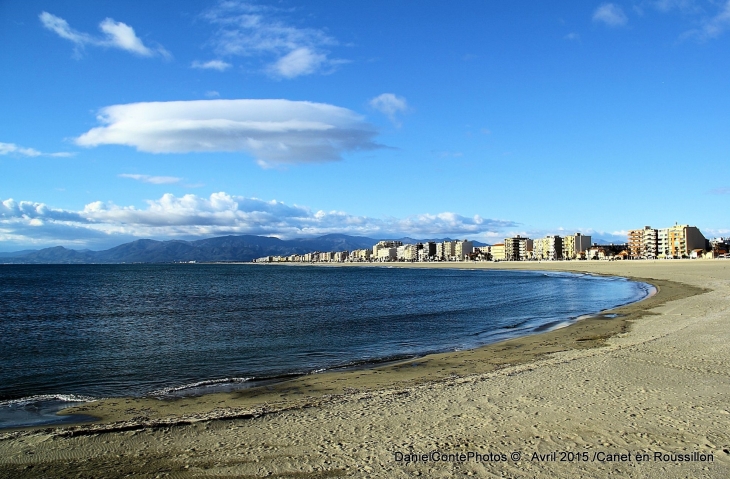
715, 232
572, 36
390, 105
219, 65
250, 30
116, 35
610, 14
212, 94
272, 131
682, 5
8, 148
155, 180
13, 149
63, 30
713, 27
219, 214
122, 36
302, 61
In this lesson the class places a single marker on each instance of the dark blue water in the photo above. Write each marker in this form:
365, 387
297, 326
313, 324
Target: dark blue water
77, 332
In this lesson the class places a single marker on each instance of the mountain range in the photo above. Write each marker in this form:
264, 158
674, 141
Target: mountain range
223, 248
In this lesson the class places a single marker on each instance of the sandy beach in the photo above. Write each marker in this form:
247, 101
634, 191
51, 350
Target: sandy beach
645, 394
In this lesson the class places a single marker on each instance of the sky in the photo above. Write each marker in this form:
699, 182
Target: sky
475, 119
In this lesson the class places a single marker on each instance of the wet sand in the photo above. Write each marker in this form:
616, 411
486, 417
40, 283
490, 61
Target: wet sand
653, 380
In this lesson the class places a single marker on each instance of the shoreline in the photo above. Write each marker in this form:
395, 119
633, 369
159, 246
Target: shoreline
610, 384
131, 413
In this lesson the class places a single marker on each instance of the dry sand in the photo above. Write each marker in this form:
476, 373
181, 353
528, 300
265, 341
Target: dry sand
654, 380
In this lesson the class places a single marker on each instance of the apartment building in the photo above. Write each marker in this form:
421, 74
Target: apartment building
538, 247
445, 251
408, 252
518, 248
463, 249
360, 255
575, 245
643, 243
497, 251
548, 248
387, 254
679, 241
385, 245
427, 252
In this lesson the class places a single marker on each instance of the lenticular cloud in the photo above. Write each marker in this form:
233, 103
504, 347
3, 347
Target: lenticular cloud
272, 131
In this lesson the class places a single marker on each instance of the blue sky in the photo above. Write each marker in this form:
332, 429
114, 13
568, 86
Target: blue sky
124, 120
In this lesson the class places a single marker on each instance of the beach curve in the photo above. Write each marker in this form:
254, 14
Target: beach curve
564, 394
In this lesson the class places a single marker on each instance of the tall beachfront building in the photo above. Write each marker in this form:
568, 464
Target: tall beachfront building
446, 250
360, 255
643, 243
427, 252
462, 249
549, 248
517, 248
574, 245
678, 241
407, 252
385, 245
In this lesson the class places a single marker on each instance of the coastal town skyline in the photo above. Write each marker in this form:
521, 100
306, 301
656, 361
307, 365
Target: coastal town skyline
674, 242
193, 120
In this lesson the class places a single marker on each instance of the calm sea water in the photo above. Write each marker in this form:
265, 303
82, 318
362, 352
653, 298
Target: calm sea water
76, 332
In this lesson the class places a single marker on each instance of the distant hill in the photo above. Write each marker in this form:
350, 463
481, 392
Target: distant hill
223, 248
16, 253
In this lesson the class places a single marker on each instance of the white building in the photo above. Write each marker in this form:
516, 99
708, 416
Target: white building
387, 254
407, 252
360, 255
385, 245
548, 248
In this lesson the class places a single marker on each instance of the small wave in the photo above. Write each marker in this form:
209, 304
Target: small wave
506, 327
552, 326
200, 384
374, 361
70, 398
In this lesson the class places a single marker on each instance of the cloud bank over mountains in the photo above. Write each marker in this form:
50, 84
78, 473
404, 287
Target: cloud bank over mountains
27, 223
272, 131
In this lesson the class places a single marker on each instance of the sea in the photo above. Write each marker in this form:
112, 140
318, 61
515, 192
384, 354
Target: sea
76, 333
